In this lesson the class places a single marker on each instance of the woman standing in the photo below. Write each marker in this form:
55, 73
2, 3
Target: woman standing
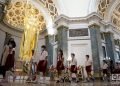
8, 50
9, 64
88, 67
105, 70
42, 65
73, 67
3, 60
10, 58
60, 65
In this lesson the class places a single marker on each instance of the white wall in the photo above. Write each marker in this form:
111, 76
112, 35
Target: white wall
2, 39
80, 48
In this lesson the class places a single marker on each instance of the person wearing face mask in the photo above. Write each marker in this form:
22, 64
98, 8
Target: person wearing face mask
6, 51
73, 67
3, 59
42, 65
9, 64
11, 41
7, 59
10, 58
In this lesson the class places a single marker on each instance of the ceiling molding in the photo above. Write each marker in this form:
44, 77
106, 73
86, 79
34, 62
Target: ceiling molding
77, 19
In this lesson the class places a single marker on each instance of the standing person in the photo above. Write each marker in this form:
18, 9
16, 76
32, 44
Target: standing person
73, 67
6, 50
9, 64
88, 68
60, 65
111, 67
105, 70
42, 65
3, 59
117, 68
12, 41
5, 54
10, 46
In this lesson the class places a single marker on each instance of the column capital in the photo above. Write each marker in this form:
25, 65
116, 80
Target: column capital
62, 27
61, 20
109, 32
94, 25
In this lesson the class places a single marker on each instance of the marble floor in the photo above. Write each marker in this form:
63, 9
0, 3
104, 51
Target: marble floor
96, 83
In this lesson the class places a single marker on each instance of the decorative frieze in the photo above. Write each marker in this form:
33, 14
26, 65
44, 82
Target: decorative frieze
78, 32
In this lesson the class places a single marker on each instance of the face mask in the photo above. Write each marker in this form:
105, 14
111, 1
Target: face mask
42, 49
10, 46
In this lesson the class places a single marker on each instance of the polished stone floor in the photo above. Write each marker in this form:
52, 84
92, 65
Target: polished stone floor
96, 83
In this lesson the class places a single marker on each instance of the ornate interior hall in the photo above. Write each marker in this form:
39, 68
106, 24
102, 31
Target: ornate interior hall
82, 27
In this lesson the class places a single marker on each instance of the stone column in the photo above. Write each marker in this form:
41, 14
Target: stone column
110, 45
96, 46
49, 40
63, 40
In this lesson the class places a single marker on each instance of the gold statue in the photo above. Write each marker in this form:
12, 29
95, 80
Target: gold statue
30, 36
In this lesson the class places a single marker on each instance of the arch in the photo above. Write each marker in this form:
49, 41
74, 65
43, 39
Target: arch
45, 12
49, 4
112, 13
110, 10
103, 6
115, 17
47, 16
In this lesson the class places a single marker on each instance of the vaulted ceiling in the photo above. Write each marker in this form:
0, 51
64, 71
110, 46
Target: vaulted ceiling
15, 14
70, 8
116, 17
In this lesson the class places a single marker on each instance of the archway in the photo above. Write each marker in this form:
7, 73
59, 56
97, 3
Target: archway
24, 15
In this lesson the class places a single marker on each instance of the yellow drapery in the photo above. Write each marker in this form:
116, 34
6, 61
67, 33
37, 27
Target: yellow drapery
30, 36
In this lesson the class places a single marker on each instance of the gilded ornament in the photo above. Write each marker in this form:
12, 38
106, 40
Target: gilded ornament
18, 4
11, 13
17, 12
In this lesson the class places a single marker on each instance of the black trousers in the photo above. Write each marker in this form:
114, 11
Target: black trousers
2, 70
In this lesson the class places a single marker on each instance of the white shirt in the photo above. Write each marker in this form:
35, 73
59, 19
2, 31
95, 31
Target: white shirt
74, 62
105, 66
11, 52
43, 55
88, 62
